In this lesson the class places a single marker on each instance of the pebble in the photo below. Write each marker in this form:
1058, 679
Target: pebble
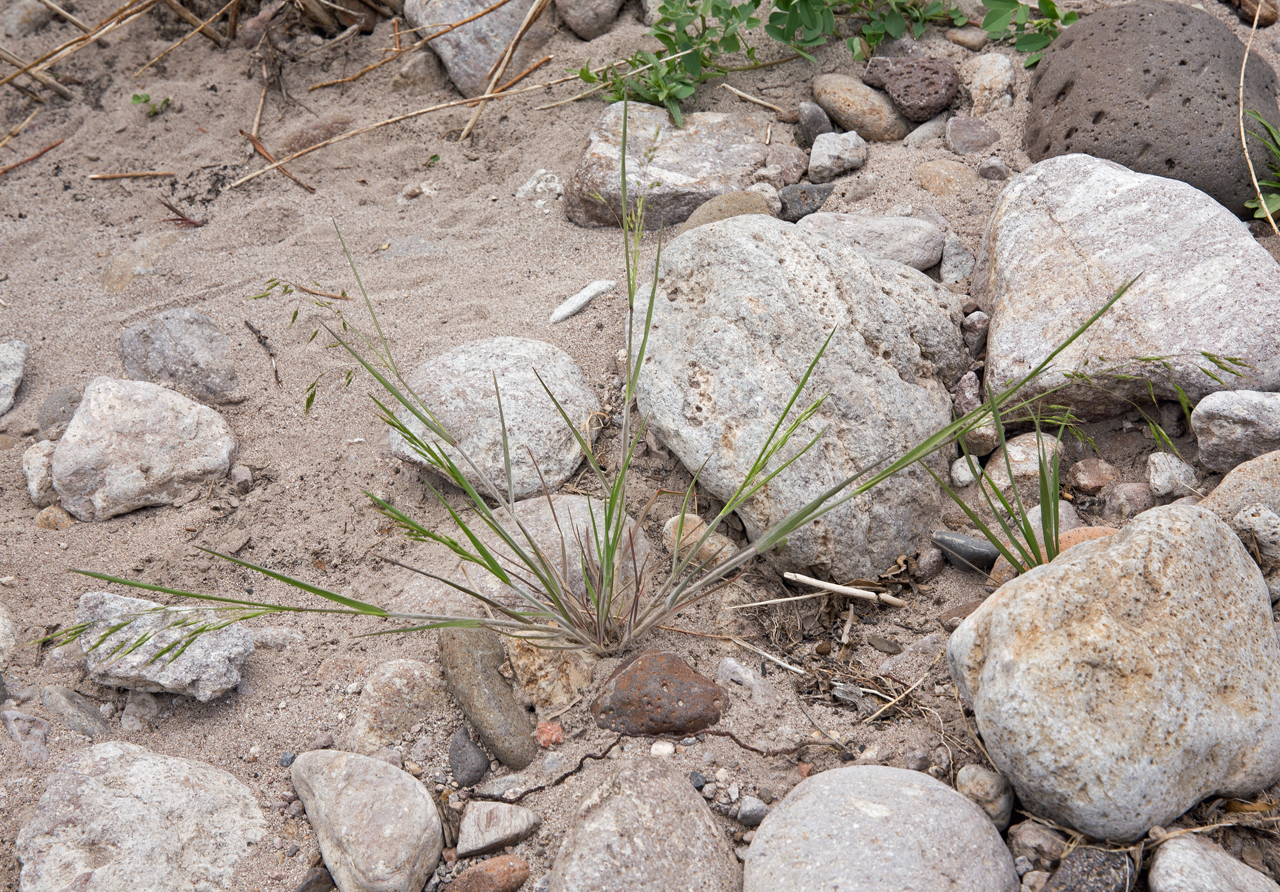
946, 178
1094, 870
930, 562
990, 790
658, 693
967, 135
990, 80
579, 301
1122, 501
792, 162
975, 327
286, 759
54, 518
751, 811
36, 467
1091, 475
392, 698
907, 240
972, 39
962, 471
966, 552
75, 711
698, 779
769, 193
57, 411
730, 672
813, 123
181, 348
471, 659
730, 204
548, 734
22, 18
467, 762
140, 710
803, 199
489, 826
1233, 427
1041, 846
836, 154
662, 749
957, 260
994, 169
30, 732
928, 135
854, 106
1168, 475
1193, 864
506, 873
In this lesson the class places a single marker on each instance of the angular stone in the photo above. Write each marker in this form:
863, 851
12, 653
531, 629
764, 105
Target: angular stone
994, 169
467, 762
1094, 870
506, 873
488, 826
1042, 846
947, 178
989, 79
458, 388
868, 828
645, 830
394, 698
8, 638
469, 53
553, 678
922, 88
734, 329
183, 349
140, 711
1107, 738
1231, 426
13, 358
975, 327
813, 123
658, 693
471, 659
990, 790
791, 161
132, 445
1192, 864
56, 412
855, 106
801, 200
906, 240
730, 672
1168, 475
206, 669
37, 464
1090, 475
588, 18
1076, 213
377, 828
30, 733
75, 711
967, 135
836, 154
1173, 115
675, 168
957, 261
117, 817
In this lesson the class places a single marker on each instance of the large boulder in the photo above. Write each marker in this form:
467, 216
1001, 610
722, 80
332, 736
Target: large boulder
458, 389
117, 818
744, 305
869, 828
676, 169
1127, 85
1130, 678
132, 445
1068, 232
469, 53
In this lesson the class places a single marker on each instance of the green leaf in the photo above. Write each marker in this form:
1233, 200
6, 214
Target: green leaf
894, 24
1031, 42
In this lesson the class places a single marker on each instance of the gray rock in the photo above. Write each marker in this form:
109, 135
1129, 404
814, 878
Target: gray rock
792, 162
730, 204
30, 733
975, 327
241, 479
966, 398
801, 200
206, 669
377, 828
751, 811
994, 169
992, 792
394, 698
733, 330
13, 358
469, 53
836, 154
37, 466
588, 18
129, 819
929, 563
488, 826
1017, 463
4, 691
867, 828
132, 445
1109, 738
458, 388
140, 712
1174, 115
1256, 482
184, 349
8, 637
770, 195
730, 673
645, 830
1233, 426
1094, 870
1121, 501
577, 302
1041, 846
966, 552
907, 240
989, 79
962, 471
75, 711
57, 411
25, 17
928, 135
813, 123
921, 88
947, 179
1192, 864
1076, 213
470, 659
966, 135
675, 168
855, 106
1168, 475
957, 261
467, 762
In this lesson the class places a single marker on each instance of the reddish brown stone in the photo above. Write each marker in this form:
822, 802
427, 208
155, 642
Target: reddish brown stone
658, 693
504, 874
1091, 475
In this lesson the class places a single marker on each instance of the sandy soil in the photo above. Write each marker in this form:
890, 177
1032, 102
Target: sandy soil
81, 260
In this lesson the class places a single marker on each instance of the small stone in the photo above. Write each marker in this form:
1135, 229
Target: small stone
770, 174
241, 479
813, 123
662, 749
57, 410
922, 88
1091, 475
717, 549
698, 779
13, 354
962, 471
730, 673
54, 518
22, 18
1192, 864
994, 169
1035, 880
488, 826
393, 697
792, 162
972, 39
140, 710
553, 678
957, 261
471, 659
966, 552
467, 762
930, 562
1168, 475
1122, 501
769, 193
1232, 427
906, 240
1094, 870
506, 873
989, 79
836, 154
1042, 846
588, 18
730, 204
658, 693
30, 733
803, 199
967, 135
184, 349
36, 466
286, 759
975, 328
751, 811
548, 734
990, 790
76, 712
855, 106
947, 178
877, 68
928, 135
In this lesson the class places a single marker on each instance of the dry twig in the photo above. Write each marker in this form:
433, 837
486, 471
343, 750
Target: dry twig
262, 150
16, 130
266, 345
200, 26
847, 590
495, 75
5, 170
179, 217
307, 290
132, 175
118, 19
194, 21
59, 11
743, 95
42, 79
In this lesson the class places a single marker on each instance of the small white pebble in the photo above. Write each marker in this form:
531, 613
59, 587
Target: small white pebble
662, 749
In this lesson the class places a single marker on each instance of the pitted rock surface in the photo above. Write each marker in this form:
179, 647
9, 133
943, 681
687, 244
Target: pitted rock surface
658, 693
1126, 84
921, 88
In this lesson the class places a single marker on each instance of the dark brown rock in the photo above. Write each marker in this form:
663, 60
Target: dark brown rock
503, 874
877, 68
803, 199
471, 659
813, 122
316, 880
921, 88
1094, 870
1127, 84
658, 693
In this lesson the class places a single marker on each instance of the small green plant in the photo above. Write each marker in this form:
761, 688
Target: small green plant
1270, 139
1032, 28
153, 108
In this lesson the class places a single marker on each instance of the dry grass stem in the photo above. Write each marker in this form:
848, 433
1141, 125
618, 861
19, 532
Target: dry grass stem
59, 11
132, 175
304, 288
895, 700
847, 590
199, 30
118, 19
739, 93
5, 170
751, 604
194, 21
16, 130
1253, 176
43, 79
262, 150
768, 656
495, 75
